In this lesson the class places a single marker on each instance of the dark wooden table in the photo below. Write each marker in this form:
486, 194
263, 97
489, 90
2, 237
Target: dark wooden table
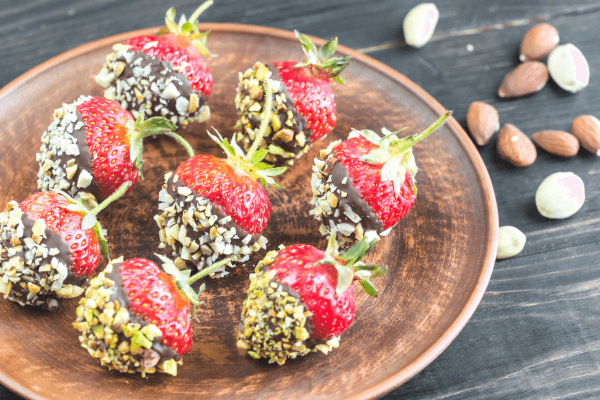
535, 333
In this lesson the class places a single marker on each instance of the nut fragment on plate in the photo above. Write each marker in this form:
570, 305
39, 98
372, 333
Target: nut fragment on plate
559, 143
569, 68
538, 42
482, 121
515, 147
529, 77
510, 242
587, 129
420, 23
560, 195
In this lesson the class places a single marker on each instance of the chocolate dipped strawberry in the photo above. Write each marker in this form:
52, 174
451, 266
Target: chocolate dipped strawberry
301, 299
93, 146
162, 75
49, 246
214, 208
304, 107
366, 183
136, 316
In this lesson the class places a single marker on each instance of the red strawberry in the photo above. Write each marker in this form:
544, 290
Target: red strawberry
136, 316
218, 206
93, 147
366, 183
304, 110
301, 299
49, 246
162, 75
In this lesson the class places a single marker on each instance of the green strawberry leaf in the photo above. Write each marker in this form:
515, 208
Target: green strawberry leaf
238, 150
368, 134
259, 156
75, 207
332, 246
186, 28
228, 147
262, 165
388, 135
376, 156
328, 49
264, 180
362, 267
345, 278
88, 222
170, 21
98, 231
272, 171
309, 48
368, 287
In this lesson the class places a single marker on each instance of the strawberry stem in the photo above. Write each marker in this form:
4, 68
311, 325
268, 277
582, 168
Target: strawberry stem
113, 197
207, 271
264, 121
200, 10
409, 141
182, 141
152, 126
158, 126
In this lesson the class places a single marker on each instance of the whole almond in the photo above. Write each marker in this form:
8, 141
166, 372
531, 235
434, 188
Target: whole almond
587, 129
559, 143
515, 147
538, 42
482, 121
529, 77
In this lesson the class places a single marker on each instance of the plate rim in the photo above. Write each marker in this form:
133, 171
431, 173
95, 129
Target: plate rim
485, 183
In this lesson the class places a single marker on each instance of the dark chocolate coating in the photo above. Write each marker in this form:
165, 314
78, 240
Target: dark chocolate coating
352, 201
53, 241
162, 69
172, 190
120, 295
83, 161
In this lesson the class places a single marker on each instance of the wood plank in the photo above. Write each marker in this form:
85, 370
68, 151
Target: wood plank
38, 30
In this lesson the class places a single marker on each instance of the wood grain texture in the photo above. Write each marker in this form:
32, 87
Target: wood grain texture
440, 261
534, 334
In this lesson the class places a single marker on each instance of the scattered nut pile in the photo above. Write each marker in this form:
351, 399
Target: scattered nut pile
560, 195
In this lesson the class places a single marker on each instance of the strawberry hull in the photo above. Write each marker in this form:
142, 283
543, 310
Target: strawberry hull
201, 234
140, 81
289, 135
35, 262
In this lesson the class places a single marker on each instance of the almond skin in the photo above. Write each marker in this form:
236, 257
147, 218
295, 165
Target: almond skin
482, 121
527, 78
587, 129
559, 143
515, 147
538, 42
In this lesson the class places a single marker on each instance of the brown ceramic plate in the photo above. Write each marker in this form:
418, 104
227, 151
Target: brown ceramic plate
440, 256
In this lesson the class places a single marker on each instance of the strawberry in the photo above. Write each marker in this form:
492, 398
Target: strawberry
93, 147
49, 246
136, 316
304, 110
301, 299
162, 75
212, 208
366, 183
